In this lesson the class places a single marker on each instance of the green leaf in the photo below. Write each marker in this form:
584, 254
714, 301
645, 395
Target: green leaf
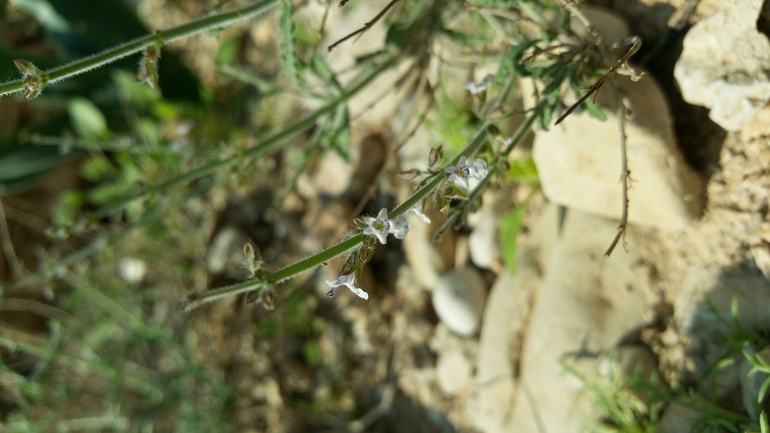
464, 38
319, 66
510, 226
594, 110
724, 363
87, 121
734, 308
66, 208
763, 390
339, 138
763, 426
288, 49
523, 170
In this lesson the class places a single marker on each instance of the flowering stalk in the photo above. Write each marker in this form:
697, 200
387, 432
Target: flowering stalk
60, 73
269, 279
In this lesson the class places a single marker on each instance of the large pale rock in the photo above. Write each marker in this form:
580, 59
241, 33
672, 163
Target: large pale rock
579, 161
584, 300
531, 322
725, 63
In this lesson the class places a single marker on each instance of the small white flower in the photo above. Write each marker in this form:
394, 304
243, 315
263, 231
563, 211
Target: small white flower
379, 226
460, 173
475, 89
417, 209
349, 281
400, 227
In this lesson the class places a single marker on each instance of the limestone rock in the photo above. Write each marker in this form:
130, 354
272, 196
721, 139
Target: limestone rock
584, 300
677, 419
459, 299
453, 371
579, 161
725, 63
532, 321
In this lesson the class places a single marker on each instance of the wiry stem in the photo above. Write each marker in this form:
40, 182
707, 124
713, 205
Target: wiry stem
137, 45
624, 173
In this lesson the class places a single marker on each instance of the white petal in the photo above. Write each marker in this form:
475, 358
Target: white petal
382, 237
400, 227
417, 209
360, 293
479, 169
383, 215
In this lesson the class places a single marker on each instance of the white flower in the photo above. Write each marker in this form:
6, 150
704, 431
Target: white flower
349, 281
475, 89
400, 227
379, 226
417, 209
460, 173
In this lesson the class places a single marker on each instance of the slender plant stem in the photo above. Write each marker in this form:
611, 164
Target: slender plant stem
203, 24
624, 173
196, 299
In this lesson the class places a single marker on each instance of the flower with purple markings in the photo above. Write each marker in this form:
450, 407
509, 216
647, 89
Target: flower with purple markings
379, 226
348, 280
460, 173
399, 227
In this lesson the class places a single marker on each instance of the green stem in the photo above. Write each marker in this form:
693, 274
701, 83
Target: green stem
269, 279
137, 45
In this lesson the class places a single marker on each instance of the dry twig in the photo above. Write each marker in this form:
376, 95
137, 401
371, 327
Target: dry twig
622, 63
624, 173
366, 26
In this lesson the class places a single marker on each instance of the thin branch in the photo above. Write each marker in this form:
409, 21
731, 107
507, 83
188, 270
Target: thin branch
622, 63
366, 26
624, 173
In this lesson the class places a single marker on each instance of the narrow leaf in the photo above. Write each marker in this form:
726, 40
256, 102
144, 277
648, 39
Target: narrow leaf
763, 390
763, 426
87, 121
510, 226
288, 51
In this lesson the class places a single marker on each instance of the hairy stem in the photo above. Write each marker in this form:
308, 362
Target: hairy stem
203, 24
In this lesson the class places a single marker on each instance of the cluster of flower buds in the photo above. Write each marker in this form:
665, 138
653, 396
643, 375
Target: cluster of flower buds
35, 80
148, 66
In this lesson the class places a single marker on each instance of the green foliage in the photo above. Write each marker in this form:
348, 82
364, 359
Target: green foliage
87, 121
288, 50
510, 226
